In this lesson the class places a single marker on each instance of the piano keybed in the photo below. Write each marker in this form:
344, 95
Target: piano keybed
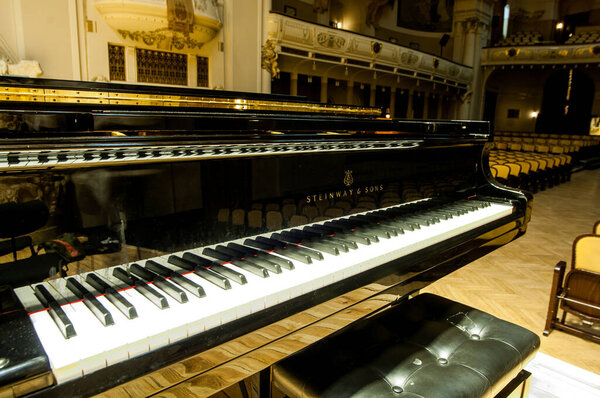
93, 320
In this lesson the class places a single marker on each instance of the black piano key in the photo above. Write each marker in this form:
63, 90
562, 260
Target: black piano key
91, 302
215, 254
406, 225
323, 246
348, 231
112, 295
123, 276
288, 236
283, 263
230, 251
142, 273
272, 242
57, 314
294, 255
160, 283
420, 221
150, 294
342, 230
347, 244
319, 245
349, 239
259, 245
249, 266
236, 254
367, 229
302, 250
252, 268
176, 278
374, 230
269, 265
218, 275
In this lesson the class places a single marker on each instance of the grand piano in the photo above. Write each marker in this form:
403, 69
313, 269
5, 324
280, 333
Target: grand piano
183, 240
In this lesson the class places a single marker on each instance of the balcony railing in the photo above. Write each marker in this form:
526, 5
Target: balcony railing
540, 55
296, 38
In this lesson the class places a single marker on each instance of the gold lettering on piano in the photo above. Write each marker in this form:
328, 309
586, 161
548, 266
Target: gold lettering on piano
350, 193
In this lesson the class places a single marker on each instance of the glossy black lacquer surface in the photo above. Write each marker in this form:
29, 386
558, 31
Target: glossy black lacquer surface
310, 168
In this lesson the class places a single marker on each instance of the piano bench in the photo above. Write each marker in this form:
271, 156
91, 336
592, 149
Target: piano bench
428, 346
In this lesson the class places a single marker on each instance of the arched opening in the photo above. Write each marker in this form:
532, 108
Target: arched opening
566, 104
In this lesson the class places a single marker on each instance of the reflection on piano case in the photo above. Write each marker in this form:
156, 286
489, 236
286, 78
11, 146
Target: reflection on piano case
201, 236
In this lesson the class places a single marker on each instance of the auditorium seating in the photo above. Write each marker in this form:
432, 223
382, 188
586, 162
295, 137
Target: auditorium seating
585, 37
537, 161
520, 39
578, 292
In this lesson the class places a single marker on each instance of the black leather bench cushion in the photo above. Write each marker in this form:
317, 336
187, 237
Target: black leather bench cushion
428, 347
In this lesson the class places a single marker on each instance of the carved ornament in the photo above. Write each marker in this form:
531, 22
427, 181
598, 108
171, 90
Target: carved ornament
27, 68
330, 40
269, 58
409, 58
159, 37
453, 70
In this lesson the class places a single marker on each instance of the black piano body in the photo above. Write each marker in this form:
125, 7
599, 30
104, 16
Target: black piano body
134, 173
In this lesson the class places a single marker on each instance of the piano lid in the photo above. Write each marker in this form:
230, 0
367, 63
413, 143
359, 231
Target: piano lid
41, 108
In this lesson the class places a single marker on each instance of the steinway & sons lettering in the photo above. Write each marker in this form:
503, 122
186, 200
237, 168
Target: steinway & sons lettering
350, 192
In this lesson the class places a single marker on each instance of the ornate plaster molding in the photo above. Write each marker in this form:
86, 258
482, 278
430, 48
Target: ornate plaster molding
518, 55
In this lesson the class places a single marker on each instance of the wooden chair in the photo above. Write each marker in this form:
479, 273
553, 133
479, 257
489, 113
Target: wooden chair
577, 293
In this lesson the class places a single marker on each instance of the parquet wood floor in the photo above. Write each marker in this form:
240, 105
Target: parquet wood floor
514, 281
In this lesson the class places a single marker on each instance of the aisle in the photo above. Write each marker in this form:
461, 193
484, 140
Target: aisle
514, 282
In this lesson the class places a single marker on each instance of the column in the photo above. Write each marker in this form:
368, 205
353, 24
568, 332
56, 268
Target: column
392, 101
193, 70
470, 28
459, 42
228, 26
324, 89
373, 93
294, 83
350, 92
439, 107
426, 105
409, 106
266, 76
130, 64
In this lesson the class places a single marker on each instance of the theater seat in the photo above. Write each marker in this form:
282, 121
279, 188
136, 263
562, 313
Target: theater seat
577, 293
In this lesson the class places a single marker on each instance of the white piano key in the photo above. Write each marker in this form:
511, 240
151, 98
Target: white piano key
125, 335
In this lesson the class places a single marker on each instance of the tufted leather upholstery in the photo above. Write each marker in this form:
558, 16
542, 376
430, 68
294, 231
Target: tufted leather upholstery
427, 347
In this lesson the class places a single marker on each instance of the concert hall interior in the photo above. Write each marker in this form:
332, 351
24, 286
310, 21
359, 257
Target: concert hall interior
201, 197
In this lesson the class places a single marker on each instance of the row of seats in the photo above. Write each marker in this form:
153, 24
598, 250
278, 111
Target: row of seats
584, 37
568, 143
577, 291
290, 213
520, 39
529, 170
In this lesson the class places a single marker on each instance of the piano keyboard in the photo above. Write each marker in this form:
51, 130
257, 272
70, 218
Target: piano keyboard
92, 320
70, 158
